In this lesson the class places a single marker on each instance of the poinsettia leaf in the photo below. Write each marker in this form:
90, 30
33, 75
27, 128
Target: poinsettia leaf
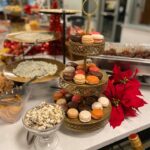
132, 90
126, 74
110, 90
129, 112
116, 116
132, 100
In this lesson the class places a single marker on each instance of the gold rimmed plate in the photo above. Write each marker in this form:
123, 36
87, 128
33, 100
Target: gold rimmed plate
8, 71
32, 36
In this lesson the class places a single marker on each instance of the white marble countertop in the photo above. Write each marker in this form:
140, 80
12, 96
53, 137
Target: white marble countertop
13, 136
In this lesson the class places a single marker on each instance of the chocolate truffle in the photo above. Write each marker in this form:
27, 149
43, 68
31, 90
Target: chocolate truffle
72, 104
68, 96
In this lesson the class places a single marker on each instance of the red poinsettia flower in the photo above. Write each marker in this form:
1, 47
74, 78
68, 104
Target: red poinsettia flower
123, 92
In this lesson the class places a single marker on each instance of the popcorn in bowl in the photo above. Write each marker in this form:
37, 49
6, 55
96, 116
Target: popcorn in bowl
44, 116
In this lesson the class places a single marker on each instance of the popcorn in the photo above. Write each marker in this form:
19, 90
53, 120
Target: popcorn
44, 116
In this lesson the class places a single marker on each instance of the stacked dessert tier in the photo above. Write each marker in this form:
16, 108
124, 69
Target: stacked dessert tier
90, 44
81, 96
85, 82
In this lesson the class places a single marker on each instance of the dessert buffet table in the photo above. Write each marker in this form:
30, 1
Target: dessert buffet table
13, 136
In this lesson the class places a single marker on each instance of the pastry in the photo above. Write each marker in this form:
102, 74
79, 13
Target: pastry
79, 79
94, 32
85, 116
82, 107
90, 79
94, 69
72, 104
69, 69
98, 38
76, 98
73, 64
76, 38
80, 32
80, 72
97, 113
68, 76
61, 101
80, 67
68, 96
91, 65
97, 74
72, 113
104, 101
97, 105
63, 91
57, 95
87, 39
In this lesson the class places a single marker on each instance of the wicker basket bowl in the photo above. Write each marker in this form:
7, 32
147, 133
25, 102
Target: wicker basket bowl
86, 49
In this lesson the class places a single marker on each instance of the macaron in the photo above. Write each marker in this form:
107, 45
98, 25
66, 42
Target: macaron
82, 107
80, 67
79, 79
80, 32
97, 105
76, 38
68, 96
72, 113
80, 71
69, 69
97, 113
90, 100
87, 39
94, 32
91, 65
61, 101
68, 76
72, 104
104, 101
76, 98
73, 64
85, 116
98, 38
57, 95
63, 91
94, 69
90, 79
97, 74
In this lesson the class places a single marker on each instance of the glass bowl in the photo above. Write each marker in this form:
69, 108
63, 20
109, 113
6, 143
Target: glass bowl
44, 139
11, 107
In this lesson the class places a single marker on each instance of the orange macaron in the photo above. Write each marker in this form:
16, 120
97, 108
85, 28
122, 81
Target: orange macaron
90, 79
97, 113
57, 95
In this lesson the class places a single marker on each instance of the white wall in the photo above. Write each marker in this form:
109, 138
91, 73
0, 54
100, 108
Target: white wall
133, 35
73, 4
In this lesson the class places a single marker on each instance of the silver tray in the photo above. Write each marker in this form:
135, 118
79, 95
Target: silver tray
107, 62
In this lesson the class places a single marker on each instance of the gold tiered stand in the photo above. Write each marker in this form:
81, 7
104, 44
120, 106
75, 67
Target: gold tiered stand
86, 90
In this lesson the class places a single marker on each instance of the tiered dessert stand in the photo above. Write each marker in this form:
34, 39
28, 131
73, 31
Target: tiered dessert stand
86, 90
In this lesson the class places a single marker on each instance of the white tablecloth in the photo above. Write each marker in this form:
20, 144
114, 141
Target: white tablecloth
13, 136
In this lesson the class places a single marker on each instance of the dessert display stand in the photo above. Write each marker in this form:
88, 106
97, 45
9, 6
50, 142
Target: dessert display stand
63, 12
